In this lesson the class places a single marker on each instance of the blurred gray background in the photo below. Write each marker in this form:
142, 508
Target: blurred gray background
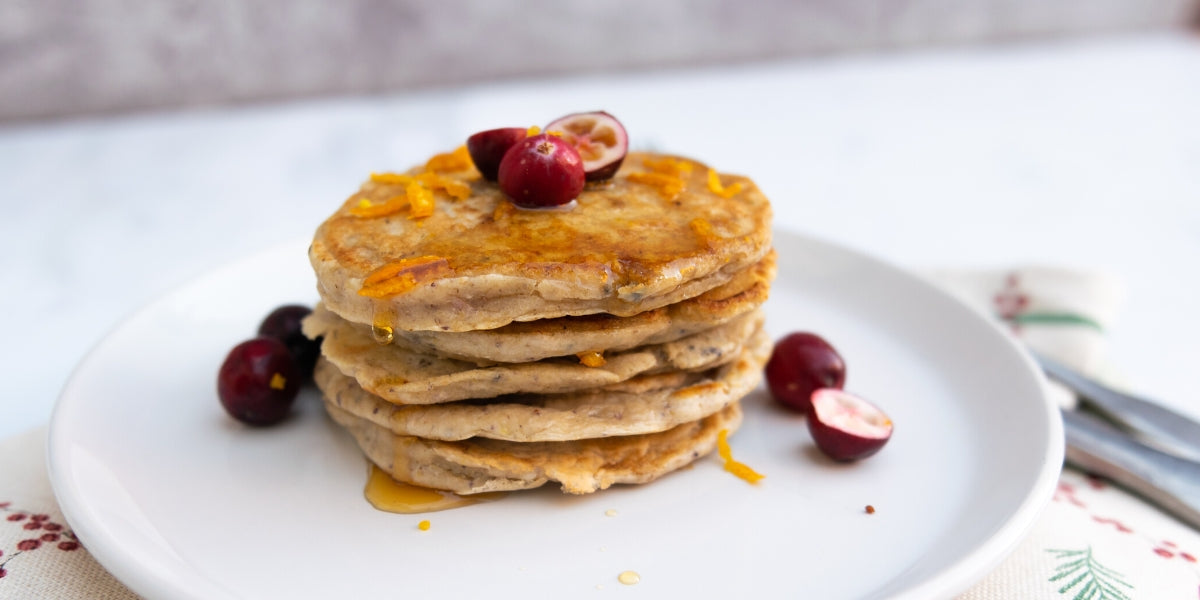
63, 58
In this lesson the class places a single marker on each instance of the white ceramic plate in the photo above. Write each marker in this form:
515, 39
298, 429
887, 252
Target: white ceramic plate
179, 501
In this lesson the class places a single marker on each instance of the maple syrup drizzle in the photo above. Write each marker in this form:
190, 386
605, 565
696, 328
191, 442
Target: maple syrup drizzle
491, 235
389, 495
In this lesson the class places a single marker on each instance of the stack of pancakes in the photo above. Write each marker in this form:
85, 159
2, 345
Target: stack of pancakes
485, 348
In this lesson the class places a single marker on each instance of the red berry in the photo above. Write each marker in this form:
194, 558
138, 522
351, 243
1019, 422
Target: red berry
599, 138
846, 427
258, 381
800, 364
27, 545
283, 324
542, 170
487, 148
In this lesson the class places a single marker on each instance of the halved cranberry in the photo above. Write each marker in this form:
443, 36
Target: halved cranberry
846, 427
599, 138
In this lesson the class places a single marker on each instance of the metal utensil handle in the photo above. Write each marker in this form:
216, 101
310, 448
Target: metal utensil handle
1159, 425
1171, 482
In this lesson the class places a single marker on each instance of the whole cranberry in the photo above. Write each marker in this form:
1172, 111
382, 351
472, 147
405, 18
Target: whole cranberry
487, 148
258, 381
800, 364
542, 170
283, 324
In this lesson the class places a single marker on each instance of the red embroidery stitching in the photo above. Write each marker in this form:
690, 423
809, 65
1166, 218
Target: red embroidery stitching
35, 522
1066, 492
1011, 301
1110, 521
1167, 549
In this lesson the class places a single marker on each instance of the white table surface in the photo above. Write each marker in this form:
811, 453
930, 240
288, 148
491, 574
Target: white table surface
1080, 153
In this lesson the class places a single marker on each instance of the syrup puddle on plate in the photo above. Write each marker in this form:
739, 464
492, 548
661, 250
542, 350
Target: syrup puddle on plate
389, 495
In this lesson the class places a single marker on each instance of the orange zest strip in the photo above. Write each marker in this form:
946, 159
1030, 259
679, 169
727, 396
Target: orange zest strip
666, 185
532, 131
391, 207
457, 189
417, 194
391, 178
418, 188
421, 200
703, 229
458, 160
715, 186
591, 358
668, 166
453, 187
401, 276
731, 465
398, 267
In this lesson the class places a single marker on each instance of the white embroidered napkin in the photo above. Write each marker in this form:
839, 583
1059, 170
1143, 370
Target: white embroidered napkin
39, 555
1093, 541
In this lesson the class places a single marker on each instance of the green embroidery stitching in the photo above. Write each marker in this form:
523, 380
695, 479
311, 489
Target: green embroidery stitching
1054, 319
1098, 581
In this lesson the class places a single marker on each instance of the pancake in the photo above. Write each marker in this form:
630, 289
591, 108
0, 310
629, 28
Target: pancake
645, 404
530, 341
400, 375
581, 467
624, 247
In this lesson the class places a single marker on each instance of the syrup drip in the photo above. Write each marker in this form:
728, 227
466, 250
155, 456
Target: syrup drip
389, 495
382, 334
381, 324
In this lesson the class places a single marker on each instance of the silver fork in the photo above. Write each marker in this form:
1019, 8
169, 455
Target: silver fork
1116, 443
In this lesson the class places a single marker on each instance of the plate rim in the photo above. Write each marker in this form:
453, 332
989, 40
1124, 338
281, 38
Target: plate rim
955, 577
972, 567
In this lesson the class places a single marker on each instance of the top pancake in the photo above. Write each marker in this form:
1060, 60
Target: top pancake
624, 247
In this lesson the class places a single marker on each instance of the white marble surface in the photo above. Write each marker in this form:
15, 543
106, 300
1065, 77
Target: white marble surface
1081, 154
